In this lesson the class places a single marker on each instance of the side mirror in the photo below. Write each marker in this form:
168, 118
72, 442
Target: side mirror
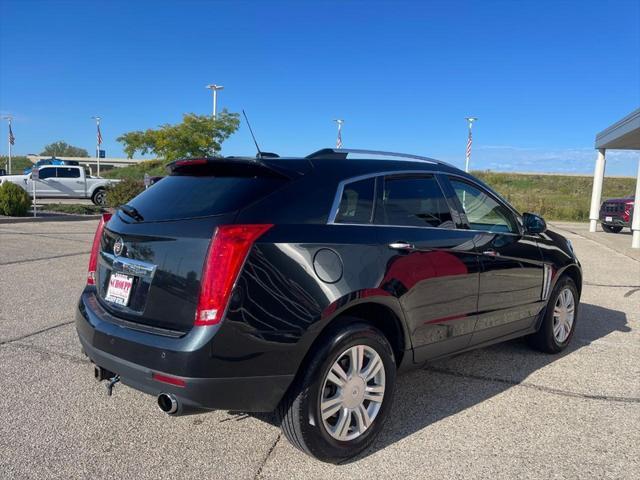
534, 223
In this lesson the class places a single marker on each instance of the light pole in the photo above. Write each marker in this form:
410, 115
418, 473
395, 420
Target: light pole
9, 118
98, 142
339, 138
214, 89
470, 121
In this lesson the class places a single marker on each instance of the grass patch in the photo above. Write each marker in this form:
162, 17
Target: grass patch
555, 197
74, 209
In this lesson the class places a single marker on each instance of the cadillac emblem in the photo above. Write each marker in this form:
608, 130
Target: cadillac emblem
118, 247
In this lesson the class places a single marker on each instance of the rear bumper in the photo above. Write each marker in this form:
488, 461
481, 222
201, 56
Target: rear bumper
119, 350
616, 219
614, 222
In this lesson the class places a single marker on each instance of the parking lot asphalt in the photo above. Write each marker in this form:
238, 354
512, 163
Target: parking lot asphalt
499, 412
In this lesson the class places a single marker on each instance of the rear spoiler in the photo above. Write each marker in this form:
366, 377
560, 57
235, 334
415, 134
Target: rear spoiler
243, 166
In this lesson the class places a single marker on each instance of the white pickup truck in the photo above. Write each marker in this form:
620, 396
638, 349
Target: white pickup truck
63, 181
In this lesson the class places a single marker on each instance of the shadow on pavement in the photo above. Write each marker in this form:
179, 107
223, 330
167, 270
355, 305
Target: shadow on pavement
426, 396
442, 388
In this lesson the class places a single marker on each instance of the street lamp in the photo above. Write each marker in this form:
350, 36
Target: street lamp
214, 88
98, 142
470, 121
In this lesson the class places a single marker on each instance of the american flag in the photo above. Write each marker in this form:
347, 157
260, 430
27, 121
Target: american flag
99, 136
339, 140
469, 142
12, 138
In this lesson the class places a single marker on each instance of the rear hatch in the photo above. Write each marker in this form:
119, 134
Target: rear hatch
154, 248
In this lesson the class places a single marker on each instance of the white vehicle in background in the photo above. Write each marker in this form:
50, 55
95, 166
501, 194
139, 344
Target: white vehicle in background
63, 181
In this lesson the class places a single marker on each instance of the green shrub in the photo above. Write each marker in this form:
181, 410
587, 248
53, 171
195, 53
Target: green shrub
14, 201
74, 209
121, 192
137, 171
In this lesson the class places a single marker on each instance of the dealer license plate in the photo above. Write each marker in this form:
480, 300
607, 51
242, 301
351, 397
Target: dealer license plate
608, 219
119, 289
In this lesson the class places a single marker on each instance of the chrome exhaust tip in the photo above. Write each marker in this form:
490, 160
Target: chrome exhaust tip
168, 403
101, 374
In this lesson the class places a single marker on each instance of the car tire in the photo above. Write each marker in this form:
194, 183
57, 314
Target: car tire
560, 318
99, 197
611, 228
339, 437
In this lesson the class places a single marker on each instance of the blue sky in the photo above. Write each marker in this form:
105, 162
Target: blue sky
542, 76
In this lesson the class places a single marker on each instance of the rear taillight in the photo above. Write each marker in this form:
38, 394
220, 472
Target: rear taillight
227, 253
95, 249
627, 211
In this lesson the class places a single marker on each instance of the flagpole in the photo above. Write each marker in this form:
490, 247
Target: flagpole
339, 138
10, 145
98, 141
470, 121
10, 139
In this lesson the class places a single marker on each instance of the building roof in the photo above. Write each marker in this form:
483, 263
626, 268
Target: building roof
622, 135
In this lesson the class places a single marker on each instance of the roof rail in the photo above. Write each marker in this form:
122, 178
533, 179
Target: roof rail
343, 154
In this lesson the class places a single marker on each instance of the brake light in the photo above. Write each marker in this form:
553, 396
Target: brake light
192, 161
95, 248
227, 252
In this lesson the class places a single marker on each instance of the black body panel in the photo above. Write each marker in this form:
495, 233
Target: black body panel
442, 294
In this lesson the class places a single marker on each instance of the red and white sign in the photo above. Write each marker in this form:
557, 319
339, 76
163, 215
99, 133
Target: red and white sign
119, 288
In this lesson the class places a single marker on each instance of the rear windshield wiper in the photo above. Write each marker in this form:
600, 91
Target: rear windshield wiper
132, 212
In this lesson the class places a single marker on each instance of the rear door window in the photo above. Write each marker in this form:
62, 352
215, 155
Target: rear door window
66, 172
413, 201
183, 196
356, 203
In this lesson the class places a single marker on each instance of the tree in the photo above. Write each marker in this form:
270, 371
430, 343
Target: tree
63, 149
195, 136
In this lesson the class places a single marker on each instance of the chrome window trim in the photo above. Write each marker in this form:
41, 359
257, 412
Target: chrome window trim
429, 228
333, 213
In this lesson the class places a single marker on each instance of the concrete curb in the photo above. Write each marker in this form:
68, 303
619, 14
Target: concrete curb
48, 218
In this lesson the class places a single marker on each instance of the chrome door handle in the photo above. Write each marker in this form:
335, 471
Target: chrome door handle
491, 253
401, 246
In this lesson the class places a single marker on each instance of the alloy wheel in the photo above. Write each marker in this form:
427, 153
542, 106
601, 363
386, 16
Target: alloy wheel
563, 315
101, 198
352, 392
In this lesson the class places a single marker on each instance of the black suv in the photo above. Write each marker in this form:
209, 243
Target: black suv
303, 285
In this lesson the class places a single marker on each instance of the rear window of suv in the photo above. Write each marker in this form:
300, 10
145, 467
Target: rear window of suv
356, 202
181, 196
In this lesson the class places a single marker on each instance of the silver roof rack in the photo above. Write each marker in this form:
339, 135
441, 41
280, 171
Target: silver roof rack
343, 153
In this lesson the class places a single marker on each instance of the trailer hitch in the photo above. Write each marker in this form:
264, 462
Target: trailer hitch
111, 383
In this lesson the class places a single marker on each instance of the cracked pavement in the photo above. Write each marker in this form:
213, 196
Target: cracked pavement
501, 412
